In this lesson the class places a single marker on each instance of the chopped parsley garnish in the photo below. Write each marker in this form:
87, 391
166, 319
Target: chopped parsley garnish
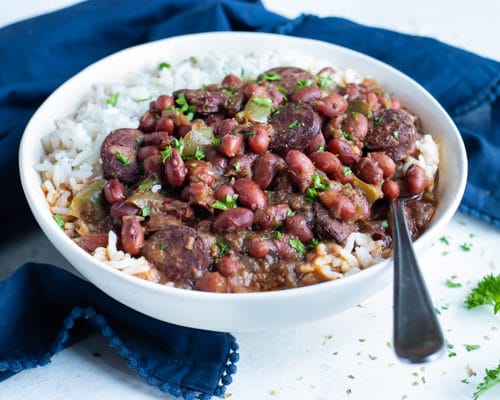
472, 347
325, 81
199, 154
227, 203
59, 220
281, 89
312, 244
465, 246
347, 136
377, 120
145, 212
113, 99
184, 107
290, 213
487, 292
452, 284
278, 235
193, 60
143, 100
223, 249
166, 153
395, 134
384, 224
237, 165
163, 65
230, 90
271, 76
444, 239
298, 246
294, 124
146, 185
346, 171
250, 134
321, 148
491, 378
303, 83
262, 101
124, 160
163, 246
452, 354
216, 141
319, 184
355, 115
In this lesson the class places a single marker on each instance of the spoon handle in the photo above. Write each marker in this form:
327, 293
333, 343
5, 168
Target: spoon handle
417, 334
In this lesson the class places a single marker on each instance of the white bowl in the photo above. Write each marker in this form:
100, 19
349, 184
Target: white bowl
244, 311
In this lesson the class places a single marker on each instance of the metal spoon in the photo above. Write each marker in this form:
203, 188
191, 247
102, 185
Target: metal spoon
417, 334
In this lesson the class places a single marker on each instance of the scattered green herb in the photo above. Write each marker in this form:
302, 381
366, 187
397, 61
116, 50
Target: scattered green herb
227, 203
303, 83
146, 185
491, 378
143, 100
294, 124
230, 90
452, 354
113, 99
384, 224
487, 292
321, 148
361, 340
193, 60
465, 380
223, 248
312, 244
472, 347
216, 141
278, 235
346, 171
325, 81
124, 160
163, 65
444, 239
199, 154
347, 136
377, 120
262, 101
237, 165
145, 212
289, 213
271, 76
437, 311
184, 107
452, 284
166, 153
59, 220
163, 246
466, 246
298, 246
319, 184
355, 115
395, 134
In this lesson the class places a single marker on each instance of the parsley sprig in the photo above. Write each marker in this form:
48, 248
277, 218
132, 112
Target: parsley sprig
491, 378
487, 292
227, 203
319, 184
183, 106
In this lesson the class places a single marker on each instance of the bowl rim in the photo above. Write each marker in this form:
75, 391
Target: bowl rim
44, 218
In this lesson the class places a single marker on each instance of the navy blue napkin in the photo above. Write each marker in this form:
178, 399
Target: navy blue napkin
45, 309
41, 53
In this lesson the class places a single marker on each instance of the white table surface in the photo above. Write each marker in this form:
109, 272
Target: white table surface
349, 355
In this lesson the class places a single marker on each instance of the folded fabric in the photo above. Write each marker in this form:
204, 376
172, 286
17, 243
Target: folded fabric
39, 54
45, 309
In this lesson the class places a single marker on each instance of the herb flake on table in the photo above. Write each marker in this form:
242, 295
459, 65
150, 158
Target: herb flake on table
472, 347
451, 284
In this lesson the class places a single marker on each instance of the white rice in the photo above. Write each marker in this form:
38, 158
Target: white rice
73, 148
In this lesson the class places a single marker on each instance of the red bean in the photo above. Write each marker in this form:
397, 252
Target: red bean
259, 247
258, 142
132, 235
147, 123
416, 181
200, 171
121, 209
325, 161
271, 217
390, 189
225, 127
230, 145
114, 191
163, 101
183, 129
175, 170
331, 106
265, 169
159, 138
153, 165
300, 168
229, 265
147, 151
395, 104
212, 282
306, 94
346, 152
233, 220
297, 224
195, 192
317, 143
165, 124
338, 205
250, 195
372, 99
385, 162
92, 241
231, 81
223, 191
369, 171
356, 125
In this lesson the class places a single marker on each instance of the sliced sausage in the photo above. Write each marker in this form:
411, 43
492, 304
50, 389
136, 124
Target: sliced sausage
119, 155
328, 228
288, 77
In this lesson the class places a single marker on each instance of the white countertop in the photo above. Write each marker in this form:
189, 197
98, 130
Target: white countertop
349, 355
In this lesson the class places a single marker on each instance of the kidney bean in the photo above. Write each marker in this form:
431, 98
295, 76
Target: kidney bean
372, 99
276, 96
132, 235
230, 145
259, 247
250, 195
175, 170
356, 125
212, 282
390, 189
233, 220
325, 161
114, 191
92, 241
200, 171
195, 192
297, 224
223, 191
265, 169
162, 102
165, 124
300, 168
153, 165
253, 89
339, 206
122, 209
147, 151
225, 127
183, 129
316, 143
229, 265
306, 94
395, 104
416, 181
231, 81
385, 162
259, 141
331, 105
369, 171
147, 123
346, 152
159, 139
351, 90
271, 217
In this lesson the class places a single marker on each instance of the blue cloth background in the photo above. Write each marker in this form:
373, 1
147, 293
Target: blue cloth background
39, 54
